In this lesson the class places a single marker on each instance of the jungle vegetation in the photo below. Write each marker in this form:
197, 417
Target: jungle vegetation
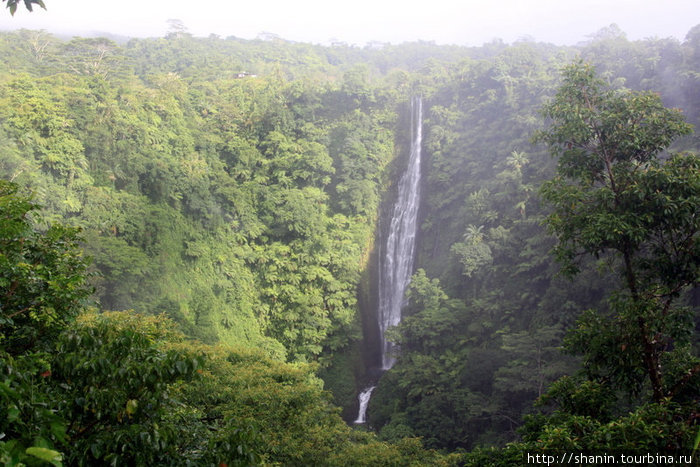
188, 225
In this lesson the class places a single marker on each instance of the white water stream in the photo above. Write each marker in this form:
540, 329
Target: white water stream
396, 259
396, 266
364, 401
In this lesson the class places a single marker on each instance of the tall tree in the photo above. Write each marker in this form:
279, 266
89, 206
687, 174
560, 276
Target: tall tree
620, 197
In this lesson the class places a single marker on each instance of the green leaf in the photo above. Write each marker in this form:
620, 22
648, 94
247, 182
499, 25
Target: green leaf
131, 406
45, 454
181, 366
12, 413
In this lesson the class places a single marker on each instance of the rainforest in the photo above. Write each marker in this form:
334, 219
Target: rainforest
193, 232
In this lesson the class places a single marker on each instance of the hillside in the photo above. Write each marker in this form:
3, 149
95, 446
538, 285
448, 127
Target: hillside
238, 190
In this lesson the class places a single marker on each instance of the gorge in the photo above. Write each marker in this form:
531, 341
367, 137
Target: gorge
397, 256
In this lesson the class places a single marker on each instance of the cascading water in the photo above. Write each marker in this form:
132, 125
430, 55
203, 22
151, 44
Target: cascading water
364, 401
396, 265
396, 259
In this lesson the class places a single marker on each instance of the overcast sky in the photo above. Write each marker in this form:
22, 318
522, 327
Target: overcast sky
465, 22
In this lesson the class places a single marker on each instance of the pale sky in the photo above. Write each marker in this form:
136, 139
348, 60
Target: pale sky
465, 22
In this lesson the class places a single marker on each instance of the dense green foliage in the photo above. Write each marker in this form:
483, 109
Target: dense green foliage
120, 388
487, 317
229, 192
42, 283
613, 194
615, 198
41, 275
239, 207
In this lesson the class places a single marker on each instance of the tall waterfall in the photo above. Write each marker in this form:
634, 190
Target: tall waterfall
396, 258
396, 262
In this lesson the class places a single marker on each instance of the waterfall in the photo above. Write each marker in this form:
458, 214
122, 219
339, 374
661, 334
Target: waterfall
396, 258
364, 401
396, 264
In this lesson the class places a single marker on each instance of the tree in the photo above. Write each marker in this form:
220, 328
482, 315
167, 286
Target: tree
177, 28
115, 376
619, 197
43, 281
91, 57
28, 4
473, 252
43, 285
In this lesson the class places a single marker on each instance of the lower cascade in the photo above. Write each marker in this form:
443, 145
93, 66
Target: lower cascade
364, 402
397, 256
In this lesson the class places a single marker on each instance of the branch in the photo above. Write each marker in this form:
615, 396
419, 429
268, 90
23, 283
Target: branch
19, 312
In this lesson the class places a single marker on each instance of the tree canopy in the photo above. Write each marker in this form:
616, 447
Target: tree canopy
232, 196
616, 195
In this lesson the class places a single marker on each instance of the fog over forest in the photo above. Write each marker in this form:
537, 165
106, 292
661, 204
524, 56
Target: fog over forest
467, 23
278, 250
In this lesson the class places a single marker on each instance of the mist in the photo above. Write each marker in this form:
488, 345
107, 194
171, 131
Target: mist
471, 23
